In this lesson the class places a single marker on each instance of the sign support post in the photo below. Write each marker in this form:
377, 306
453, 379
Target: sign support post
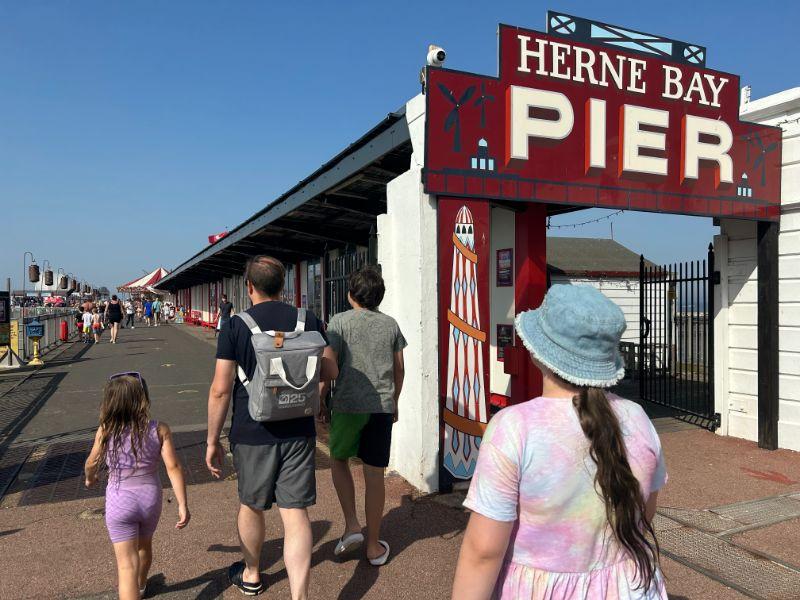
8, 357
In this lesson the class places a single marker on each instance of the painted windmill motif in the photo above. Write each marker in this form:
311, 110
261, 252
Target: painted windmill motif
453, 119
466, 397
761, 153
481, 101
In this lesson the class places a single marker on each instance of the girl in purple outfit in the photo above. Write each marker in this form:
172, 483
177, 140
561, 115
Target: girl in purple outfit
131, 445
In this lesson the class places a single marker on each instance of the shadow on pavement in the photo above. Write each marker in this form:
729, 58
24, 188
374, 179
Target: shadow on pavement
413, 520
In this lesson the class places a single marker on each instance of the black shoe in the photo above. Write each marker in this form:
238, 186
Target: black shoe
235, 572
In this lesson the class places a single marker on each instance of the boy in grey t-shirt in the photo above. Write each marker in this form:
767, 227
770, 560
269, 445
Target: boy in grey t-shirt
368, 347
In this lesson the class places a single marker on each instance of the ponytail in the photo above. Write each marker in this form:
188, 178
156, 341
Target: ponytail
621, 491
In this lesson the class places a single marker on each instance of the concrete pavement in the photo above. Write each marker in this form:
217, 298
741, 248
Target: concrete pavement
725, 520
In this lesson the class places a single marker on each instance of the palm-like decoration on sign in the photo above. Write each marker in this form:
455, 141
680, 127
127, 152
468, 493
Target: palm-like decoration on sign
761, 151
481, 101
453, 119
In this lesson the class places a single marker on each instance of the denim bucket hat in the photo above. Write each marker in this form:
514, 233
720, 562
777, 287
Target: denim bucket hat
575, 333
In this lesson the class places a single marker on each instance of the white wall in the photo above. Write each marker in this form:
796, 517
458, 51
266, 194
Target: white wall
736, 358
407, 252
624, 292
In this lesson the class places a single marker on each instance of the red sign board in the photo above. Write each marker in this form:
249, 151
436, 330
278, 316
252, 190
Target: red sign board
581, 120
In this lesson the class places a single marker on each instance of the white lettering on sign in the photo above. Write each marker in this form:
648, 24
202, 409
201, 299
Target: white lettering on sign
639, 144
694, 150
598, 67
524, 126
596, 130
634, 138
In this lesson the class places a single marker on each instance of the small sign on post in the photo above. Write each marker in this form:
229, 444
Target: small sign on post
35, 331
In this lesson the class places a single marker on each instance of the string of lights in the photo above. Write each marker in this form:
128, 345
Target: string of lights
574, 225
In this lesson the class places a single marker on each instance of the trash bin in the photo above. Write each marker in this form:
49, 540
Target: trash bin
64, 333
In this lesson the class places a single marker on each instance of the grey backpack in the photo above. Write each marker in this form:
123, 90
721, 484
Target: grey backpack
285, 384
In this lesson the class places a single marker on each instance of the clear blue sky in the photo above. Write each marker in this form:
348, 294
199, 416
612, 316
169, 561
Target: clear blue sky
129, 131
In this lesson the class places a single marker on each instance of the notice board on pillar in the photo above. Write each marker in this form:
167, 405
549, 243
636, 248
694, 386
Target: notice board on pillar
595, 115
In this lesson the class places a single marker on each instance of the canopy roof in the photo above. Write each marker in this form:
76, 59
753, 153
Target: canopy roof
144, 283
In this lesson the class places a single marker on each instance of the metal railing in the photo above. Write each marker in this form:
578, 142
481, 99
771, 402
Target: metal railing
51, 318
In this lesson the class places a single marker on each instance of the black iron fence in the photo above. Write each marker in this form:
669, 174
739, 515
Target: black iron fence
676, 336
337, 275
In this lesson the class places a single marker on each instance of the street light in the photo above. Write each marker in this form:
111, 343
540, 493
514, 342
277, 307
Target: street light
48, 276
63, 281
28, 272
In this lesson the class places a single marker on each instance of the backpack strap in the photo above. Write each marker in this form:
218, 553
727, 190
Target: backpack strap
251, 324
301, 321
249, 321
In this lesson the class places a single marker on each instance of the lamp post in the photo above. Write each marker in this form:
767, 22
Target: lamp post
27, 273
47, 278
63, 282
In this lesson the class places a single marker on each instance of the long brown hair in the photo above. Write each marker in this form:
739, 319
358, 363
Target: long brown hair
125, 410
622, 493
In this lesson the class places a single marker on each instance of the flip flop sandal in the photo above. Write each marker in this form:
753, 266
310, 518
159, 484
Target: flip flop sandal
235, 572
348, 542
381, 560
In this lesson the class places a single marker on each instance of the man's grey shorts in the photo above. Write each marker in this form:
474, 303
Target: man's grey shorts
282, 473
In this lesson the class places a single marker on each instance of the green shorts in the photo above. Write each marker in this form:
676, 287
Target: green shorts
365, 435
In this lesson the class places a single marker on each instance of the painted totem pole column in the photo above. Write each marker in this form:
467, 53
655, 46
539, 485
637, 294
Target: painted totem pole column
463, 346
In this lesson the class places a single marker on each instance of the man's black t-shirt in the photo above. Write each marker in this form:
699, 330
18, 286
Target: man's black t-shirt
234, 344
225, 310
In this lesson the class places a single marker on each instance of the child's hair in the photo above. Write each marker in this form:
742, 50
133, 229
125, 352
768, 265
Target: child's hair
367, 287
619, 488
94, 310
125, 408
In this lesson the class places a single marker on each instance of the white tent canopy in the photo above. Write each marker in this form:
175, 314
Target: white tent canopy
145, 283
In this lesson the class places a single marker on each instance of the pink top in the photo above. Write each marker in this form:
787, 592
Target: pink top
534, 468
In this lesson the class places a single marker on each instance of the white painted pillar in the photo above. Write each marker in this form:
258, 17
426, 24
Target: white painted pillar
407, 252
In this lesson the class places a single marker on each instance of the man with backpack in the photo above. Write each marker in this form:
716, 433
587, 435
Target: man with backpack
269, 360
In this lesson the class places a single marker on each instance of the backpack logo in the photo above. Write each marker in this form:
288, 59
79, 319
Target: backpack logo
285, 400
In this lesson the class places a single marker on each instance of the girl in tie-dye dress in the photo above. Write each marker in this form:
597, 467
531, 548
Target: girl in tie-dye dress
566, 483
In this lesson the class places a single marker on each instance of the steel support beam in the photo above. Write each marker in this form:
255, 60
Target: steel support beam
768, 329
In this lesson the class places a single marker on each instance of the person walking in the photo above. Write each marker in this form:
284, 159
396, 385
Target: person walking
274, 460
87, 325
114, 316
224, 312
78, 315
132, 446
367, 345
130, 313
566, 484
147, 308
157, 306
97, 325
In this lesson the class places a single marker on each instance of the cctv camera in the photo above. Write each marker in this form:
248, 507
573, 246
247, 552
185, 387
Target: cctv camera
436, 56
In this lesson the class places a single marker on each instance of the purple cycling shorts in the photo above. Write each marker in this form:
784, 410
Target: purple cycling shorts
132, 510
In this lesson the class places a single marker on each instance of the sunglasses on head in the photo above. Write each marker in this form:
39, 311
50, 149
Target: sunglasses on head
134, 374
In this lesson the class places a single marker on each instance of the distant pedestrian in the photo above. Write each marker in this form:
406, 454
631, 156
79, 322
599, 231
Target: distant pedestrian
224, 312
566, 484
131, 446
157, 306
147, 308
97, 325
130, 313
114, 316
78, 314
275, 459
368, 347
86, 321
